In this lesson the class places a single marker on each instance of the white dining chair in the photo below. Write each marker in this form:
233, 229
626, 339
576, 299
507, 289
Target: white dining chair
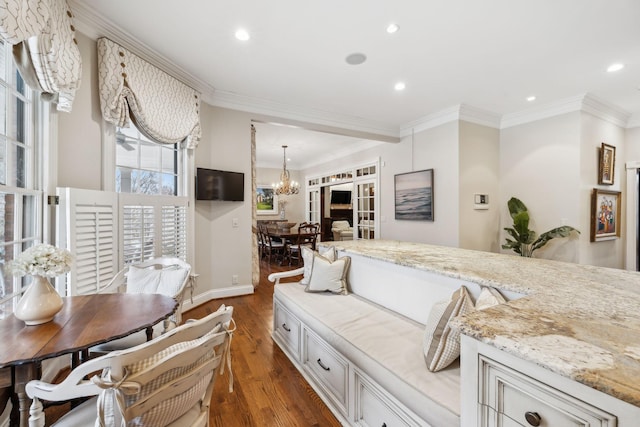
167, 276
164, 382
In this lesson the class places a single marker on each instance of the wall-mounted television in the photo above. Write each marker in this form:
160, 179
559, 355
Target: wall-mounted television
340, 197
212, 184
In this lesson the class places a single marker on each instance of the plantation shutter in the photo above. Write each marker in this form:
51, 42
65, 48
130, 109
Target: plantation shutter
87, 226
153, 226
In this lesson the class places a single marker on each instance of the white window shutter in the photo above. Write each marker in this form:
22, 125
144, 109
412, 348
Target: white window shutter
174, 231
137, 233
88, 227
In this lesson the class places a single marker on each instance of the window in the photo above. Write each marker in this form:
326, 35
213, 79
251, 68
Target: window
20, 200
144, 166
153, 216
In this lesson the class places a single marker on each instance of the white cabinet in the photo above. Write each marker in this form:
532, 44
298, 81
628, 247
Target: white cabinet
374, 407
286, 328
327, 367
514, 399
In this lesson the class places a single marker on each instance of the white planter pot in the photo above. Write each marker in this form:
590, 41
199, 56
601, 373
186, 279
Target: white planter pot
39, 303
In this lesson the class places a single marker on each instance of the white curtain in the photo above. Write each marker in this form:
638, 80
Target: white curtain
45, 47
162, 107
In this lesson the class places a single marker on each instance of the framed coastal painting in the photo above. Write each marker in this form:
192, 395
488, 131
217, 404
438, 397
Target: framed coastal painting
414, 195
607, 164
605, 215
266, 200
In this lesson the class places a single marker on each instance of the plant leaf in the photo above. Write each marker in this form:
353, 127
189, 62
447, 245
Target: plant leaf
515, 207
563, 231
521, 225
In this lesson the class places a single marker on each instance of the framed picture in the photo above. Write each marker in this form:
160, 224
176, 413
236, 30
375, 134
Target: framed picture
266, 200
605, 215
414, 195
607, 165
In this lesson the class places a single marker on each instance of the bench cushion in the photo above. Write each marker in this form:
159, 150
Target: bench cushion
385, 345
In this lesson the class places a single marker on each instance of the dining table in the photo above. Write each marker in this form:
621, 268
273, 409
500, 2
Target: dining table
83, 322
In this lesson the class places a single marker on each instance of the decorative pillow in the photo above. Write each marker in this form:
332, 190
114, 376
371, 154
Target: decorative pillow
171, 280
142, 280
488, 298
307, 260
329, 276
441, 344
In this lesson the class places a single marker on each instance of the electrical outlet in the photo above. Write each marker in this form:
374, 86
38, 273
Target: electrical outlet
234, 279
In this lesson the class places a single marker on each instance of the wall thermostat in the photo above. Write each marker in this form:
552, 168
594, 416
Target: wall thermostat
480, 201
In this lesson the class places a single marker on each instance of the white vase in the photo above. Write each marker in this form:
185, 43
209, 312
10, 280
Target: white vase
39, 303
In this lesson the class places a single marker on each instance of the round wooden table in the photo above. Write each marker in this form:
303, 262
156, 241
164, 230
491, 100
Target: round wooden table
83, 322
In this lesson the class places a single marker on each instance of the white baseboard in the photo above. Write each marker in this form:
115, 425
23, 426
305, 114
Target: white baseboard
230, 291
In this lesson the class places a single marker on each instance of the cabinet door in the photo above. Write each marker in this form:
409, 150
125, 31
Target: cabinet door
519, 400
286, 327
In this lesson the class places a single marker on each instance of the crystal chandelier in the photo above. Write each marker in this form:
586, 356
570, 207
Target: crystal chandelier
285, 187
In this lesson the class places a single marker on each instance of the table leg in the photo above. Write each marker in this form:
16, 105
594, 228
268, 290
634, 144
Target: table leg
22, 374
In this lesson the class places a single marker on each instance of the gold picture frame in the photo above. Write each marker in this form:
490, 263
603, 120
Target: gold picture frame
605, 214
606, 169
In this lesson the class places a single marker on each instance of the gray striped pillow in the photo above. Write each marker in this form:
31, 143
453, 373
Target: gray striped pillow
441, 344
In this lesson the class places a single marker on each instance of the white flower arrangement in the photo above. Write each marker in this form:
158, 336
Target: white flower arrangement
42, 260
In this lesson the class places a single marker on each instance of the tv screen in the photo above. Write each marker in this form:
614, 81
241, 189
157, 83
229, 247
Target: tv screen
220, 185
339, 197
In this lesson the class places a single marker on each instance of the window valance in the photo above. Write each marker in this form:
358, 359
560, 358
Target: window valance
162, 107
44, 46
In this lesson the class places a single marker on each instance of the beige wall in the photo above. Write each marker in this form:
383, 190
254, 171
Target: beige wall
294, 207
479, 173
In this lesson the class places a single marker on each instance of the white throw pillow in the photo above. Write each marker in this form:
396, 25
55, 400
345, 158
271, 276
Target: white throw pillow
171, 280
488, 298
441, 344
142, 280
307, 260
329, 276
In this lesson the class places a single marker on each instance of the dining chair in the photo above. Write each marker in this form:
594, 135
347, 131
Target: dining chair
166, 276
307, 236
164, 382
274, 249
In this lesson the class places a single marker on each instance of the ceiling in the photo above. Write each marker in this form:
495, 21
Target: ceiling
491, 55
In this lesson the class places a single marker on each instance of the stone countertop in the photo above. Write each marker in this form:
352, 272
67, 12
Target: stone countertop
580, 321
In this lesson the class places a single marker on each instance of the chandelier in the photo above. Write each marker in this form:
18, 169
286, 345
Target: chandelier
285, 187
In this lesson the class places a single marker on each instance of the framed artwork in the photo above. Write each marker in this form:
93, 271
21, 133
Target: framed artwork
605, 215
266, 200
414, 195
607, 165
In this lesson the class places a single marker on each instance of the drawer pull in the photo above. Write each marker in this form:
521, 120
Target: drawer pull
284, 326
533, 418
326, 368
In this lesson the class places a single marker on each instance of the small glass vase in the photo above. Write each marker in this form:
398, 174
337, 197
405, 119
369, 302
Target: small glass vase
39, 303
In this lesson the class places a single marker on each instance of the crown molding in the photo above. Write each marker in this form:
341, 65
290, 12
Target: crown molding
93, 25
634, 122
302, 114
459, 112
585, 103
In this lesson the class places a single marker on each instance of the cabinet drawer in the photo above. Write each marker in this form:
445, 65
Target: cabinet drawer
375, 409
287, 327
521, 400
329, 368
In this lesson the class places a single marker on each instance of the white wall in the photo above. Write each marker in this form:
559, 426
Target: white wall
479, 173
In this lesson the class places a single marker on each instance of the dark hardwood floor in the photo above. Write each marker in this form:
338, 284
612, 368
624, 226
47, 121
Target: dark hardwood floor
268, 389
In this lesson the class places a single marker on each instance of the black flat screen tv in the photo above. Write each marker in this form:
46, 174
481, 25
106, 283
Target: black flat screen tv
220, 185
340, 197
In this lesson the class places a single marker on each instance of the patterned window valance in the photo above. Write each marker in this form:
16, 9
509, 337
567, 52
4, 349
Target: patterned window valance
162, 107
44, 46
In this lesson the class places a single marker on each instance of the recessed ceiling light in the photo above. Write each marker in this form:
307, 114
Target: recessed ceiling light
393, 28
242, 35
399, 86
615, 67
356, 58
531, 98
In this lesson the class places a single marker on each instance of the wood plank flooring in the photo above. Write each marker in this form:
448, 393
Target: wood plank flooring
268, 389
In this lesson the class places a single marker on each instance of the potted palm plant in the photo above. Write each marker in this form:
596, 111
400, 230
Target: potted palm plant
525, 241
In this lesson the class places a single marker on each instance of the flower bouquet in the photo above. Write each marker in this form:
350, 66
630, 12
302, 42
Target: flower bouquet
40, 302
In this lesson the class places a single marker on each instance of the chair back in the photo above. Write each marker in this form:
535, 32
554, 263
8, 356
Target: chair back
157, 382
